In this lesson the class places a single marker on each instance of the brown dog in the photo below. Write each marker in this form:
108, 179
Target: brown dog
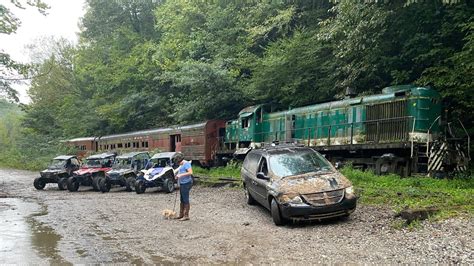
168, 214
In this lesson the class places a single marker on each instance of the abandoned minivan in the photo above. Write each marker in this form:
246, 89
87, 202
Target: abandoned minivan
296, 183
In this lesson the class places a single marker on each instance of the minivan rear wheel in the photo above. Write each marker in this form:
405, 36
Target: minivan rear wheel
276, 214
249, 198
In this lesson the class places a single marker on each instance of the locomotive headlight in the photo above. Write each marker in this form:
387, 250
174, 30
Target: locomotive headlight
349, 190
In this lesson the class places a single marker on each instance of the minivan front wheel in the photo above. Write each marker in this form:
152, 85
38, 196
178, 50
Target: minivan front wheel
276, 214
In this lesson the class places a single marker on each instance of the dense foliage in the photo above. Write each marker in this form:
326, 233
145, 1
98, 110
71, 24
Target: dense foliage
143, 64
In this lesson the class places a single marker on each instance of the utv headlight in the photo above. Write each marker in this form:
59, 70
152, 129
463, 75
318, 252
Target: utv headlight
349, 190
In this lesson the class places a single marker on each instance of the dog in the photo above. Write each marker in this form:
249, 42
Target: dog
168, 214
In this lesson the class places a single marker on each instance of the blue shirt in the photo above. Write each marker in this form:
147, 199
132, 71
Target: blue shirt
184, 169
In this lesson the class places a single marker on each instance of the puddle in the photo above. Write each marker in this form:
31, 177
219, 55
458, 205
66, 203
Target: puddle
22, 238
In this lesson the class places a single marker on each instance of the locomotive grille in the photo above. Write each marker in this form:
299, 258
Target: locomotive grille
324, 198
387, 122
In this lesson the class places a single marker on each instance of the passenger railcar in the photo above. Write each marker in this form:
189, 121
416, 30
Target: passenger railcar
401, 130
83, 146
198, 142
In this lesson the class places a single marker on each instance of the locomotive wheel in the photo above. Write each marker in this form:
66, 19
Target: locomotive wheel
104, 184
168, 185
39, 183
62, 183
72, 184
129, 183
140, 186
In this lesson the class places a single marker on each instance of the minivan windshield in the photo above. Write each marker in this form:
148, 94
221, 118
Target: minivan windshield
298, 162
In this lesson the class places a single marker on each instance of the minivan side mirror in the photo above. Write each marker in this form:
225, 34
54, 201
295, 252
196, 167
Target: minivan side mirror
261, 175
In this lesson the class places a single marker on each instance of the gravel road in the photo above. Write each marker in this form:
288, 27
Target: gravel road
90, 227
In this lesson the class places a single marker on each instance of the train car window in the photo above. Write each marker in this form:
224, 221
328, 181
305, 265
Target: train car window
178, 138
400, 93
245, 122
146, 144
119, 145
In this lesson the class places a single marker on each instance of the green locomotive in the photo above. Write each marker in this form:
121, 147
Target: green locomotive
402, 130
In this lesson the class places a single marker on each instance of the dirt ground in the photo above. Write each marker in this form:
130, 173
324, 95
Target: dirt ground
53, 226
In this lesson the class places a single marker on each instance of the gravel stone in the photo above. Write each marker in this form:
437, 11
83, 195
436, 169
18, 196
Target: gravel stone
123, 227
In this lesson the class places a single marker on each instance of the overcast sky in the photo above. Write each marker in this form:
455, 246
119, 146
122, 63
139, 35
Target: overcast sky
62, 21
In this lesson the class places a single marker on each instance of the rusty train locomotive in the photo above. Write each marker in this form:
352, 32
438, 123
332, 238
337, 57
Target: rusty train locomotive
403, 130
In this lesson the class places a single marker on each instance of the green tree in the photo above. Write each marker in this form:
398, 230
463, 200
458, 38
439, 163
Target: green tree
9, 69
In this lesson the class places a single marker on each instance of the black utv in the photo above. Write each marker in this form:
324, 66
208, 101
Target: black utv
124, 171
60, 169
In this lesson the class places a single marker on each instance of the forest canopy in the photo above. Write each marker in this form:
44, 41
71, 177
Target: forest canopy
144, 64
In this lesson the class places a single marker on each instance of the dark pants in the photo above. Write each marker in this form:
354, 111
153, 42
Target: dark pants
184, 192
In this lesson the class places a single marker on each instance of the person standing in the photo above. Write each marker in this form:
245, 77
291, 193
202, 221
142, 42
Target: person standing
185, 180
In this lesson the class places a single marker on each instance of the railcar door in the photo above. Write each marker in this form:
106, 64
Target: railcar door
175, 143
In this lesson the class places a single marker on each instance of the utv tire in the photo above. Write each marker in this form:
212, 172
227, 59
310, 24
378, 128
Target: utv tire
62, 183
140, 186
168, 185
130, 183
276, 214
249, 198
104, 184
39, 183
95, 183
72, 184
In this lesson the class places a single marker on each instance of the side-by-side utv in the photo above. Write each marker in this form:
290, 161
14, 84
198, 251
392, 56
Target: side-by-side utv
124, 171
60, 169
91, 171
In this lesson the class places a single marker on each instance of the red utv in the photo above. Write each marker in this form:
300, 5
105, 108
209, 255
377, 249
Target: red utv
91, 171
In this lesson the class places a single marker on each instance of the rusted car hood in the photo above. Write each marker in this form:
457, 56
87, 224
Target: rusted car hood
312, 183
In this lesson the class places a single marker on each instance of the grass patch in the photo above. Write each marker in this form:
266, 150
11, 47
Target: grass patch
214, 176
452, 197
230, 171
